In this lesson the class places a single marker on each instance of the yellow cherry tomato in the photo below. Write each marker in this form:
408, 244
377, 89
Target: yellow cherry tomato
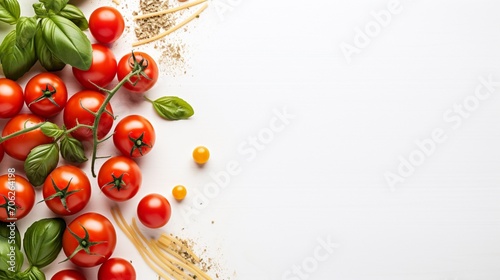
201, 155
179, 192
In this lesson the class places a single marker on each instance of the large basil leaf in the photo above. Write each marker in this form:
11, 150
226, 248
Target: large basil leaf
72, 150
16, 61
11, 258
10, 229
67, 41
54, 5
47, 59
74, 14
172, 108
10, 11
43, 241
25, 31
40, 162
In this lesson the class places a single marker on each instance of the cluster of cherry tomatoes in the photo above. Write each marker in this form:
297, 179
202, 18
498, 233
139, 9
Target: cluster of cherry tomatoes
90, 238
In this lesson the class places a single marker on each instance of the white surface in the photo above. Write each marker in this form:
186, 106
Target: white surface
322, 176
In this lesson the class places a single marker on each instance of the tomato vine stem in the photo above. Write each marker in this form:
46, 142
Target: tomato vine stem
138, 69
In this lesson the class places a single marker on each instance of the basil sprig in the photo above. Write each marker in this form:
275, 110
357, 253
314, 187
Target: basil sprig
54, 36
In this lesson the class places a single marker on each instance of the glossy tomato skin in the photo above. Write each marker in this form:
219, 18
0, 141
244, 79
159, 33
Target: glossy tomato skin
125, 66
20, 146
154, 210
11, 98
16, 192
106, 24
102, 239
77, 194
134, 136
119, 178
48, 85
68, 274
102, 71
2, 152
91, 100
116, 269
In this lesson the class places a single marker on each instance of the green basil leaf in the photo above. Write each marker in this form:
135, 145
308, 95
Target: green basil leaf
11, 258
10, 11
40, 162
10, 232
47, 59
34, 273
72, 150
40, 10
4, 275
54, 5
16, 61
74, 14
51, 130
172, 108
66, 41
43, 241
25, 31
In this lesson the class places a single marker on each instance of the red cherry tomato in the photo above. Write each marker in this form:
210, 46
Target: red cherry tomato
102, 71
116, 269
20, 146
139, 84
68, 274
17, 197
77, 110
106, 24
90, 231
11, 98
134, 136
66, 190
119, 178
45, 95
154, 211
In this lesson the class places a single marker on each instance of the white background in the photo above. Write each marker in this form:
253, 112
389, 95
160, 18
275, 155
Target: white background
322, 176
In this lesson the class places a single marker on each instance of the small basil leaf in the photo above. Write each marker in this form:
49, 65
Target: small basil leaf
172, 108
43, 241
40, 162
47, 59
74, 14
25, 31
10, 11
66, 41
54, 5
72, 150
34, 273
11, 258
16, 61
10, 232
51, 130
40, 10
